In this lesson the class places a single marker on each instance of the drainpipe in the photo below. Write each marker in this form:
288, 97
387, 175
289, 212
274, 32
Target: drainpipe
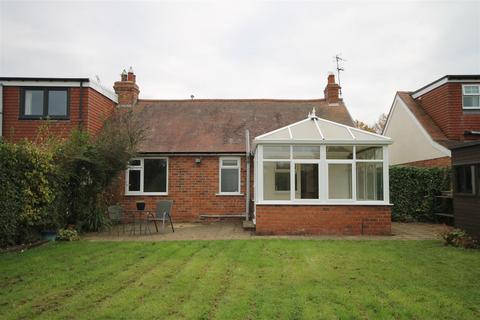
1, 110
247, 184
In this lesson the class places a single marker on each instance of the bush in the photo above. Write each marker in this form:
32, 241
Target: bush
413, 191
68, 235
27, 191
458, 238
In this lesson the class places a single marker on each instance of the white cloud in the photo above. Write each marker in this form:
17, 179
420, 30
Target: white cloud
245, 50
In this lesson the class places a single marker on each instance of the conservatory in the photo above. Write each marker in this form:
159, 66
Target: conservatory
318, 176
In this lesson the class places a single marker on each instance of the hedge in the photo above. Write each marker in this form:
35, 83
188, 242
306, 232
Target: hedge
413, 191
27, 191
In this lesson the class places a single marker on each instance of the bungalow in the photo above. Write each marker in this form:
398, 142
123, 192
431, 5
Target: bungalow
291, 166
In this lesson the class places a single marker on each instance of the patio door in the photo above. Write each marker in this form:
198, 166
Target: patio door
306, 180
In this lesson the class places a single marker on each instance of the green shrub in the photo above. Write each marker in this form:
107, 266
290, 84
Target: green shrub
458, 238
68, 235
27, 192
413, 191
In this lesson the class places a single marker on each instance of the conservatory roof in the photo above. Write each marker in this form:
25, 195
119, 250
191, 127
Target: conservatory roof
317, 130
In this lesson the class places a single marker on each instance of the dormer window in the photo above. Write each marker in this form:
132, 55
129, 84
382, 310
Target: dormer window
471, 96
43, 103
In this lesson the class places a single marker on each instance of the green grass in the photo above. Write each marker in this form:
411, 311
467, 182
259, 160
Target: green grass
253, 279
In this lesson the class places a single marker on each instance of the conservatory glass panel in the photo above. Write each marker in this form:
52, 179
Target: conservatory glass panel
306, 181
276, 152
369, 153
369, 181
276, 180
339, 152
339, 181
306, 152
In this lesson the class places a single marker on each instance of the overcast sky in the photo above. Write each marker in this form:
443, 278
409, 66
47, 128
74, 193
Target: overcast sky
246, 50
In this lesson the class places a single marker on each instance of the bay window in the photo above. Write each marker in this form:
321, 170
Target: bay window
322, 173
147, 176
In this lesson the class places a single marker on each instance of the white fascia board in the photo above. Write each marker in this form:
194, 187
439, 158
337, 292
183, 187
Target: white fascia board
324, 142
70, 84
434, 144
392, 108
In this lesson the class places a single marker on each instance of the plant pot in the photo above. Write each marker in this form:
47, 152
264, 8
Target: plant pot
140, 205
49, 235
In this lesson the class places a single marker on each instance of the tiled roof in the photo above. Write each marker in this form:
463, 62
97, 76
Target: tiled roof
425, 120
185, 126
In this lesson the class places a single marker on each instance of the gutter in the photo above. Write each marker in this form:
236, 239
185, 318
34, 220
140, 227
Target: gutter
80, 107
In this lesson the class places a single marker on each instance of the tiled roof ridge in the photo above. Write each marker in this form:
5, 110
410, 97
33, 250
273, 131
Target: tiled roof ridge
233, 100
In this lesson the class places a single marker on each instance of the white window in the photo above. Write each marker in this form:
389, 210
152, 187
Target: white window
147, 176
471, 96
229, 175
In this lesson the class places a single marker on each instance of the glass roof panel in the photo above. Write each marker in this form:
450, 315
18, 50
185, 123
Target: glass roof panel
360, 135
305, 130
334, 131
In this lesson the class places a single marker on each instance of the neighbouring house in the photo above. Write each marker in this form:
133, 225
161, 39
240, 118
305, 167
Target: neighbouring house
426, 122
67, 103
292, 166
466, 182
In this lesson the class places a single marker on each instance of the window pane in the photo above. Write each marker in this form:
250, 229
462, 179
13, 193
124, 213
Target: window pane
306, 152
135, 162
229, 162
57, 103
340, 181
464, 179
33, 102
134, 180
471, 101
369, 181
155, 175
229, 180
369, 153
306, 179
339, 152
471, 89
276, 180
276, 152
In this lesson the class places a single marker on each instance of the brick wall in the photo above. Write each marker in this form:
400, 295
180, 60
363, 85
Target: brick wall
96, 108
444, 105
323, 219
430, 163
193, 189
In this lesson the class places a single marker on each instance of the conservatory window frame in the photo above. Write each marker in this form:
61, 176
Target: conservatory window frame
323, 164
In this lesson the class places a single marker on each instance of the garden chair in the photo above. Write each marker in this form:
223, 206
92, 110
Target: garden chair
162, 213
116, 216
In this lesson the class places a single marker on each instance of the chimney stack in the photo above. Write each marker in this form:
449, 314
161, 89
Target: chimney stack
332, 91
127, 89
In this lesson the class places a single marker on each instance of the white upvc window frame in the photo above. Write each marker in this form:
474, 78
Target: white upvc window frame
239, 172
470, 94
141, 168
322, 178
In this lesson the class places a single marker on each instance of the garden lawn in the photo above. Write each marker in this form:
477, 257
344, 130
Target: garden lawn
251, 279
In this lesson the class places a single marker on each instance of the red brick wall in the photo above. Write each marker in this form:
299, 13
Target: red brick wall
323, 219
444, 105
95, 108
430, 163
193, 189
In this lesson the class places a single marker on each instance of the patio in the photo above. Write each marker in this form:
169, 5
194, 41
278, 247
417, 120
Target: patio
234, 230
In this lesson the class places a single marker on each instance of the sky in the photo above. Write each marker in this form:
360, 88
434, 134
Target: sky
245, 49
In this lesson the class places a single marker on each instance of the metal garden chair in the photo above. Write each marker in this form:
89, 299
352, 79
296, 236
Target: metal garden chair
116, 216
162, 213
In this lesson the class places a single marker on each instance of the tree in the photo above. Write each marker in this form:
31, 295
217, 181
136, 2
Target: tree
380, 124
362, 125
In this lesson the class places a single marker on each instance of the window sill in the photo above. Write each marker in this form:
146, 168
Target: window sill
323, 203
42, 118
223, 194
147, 194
